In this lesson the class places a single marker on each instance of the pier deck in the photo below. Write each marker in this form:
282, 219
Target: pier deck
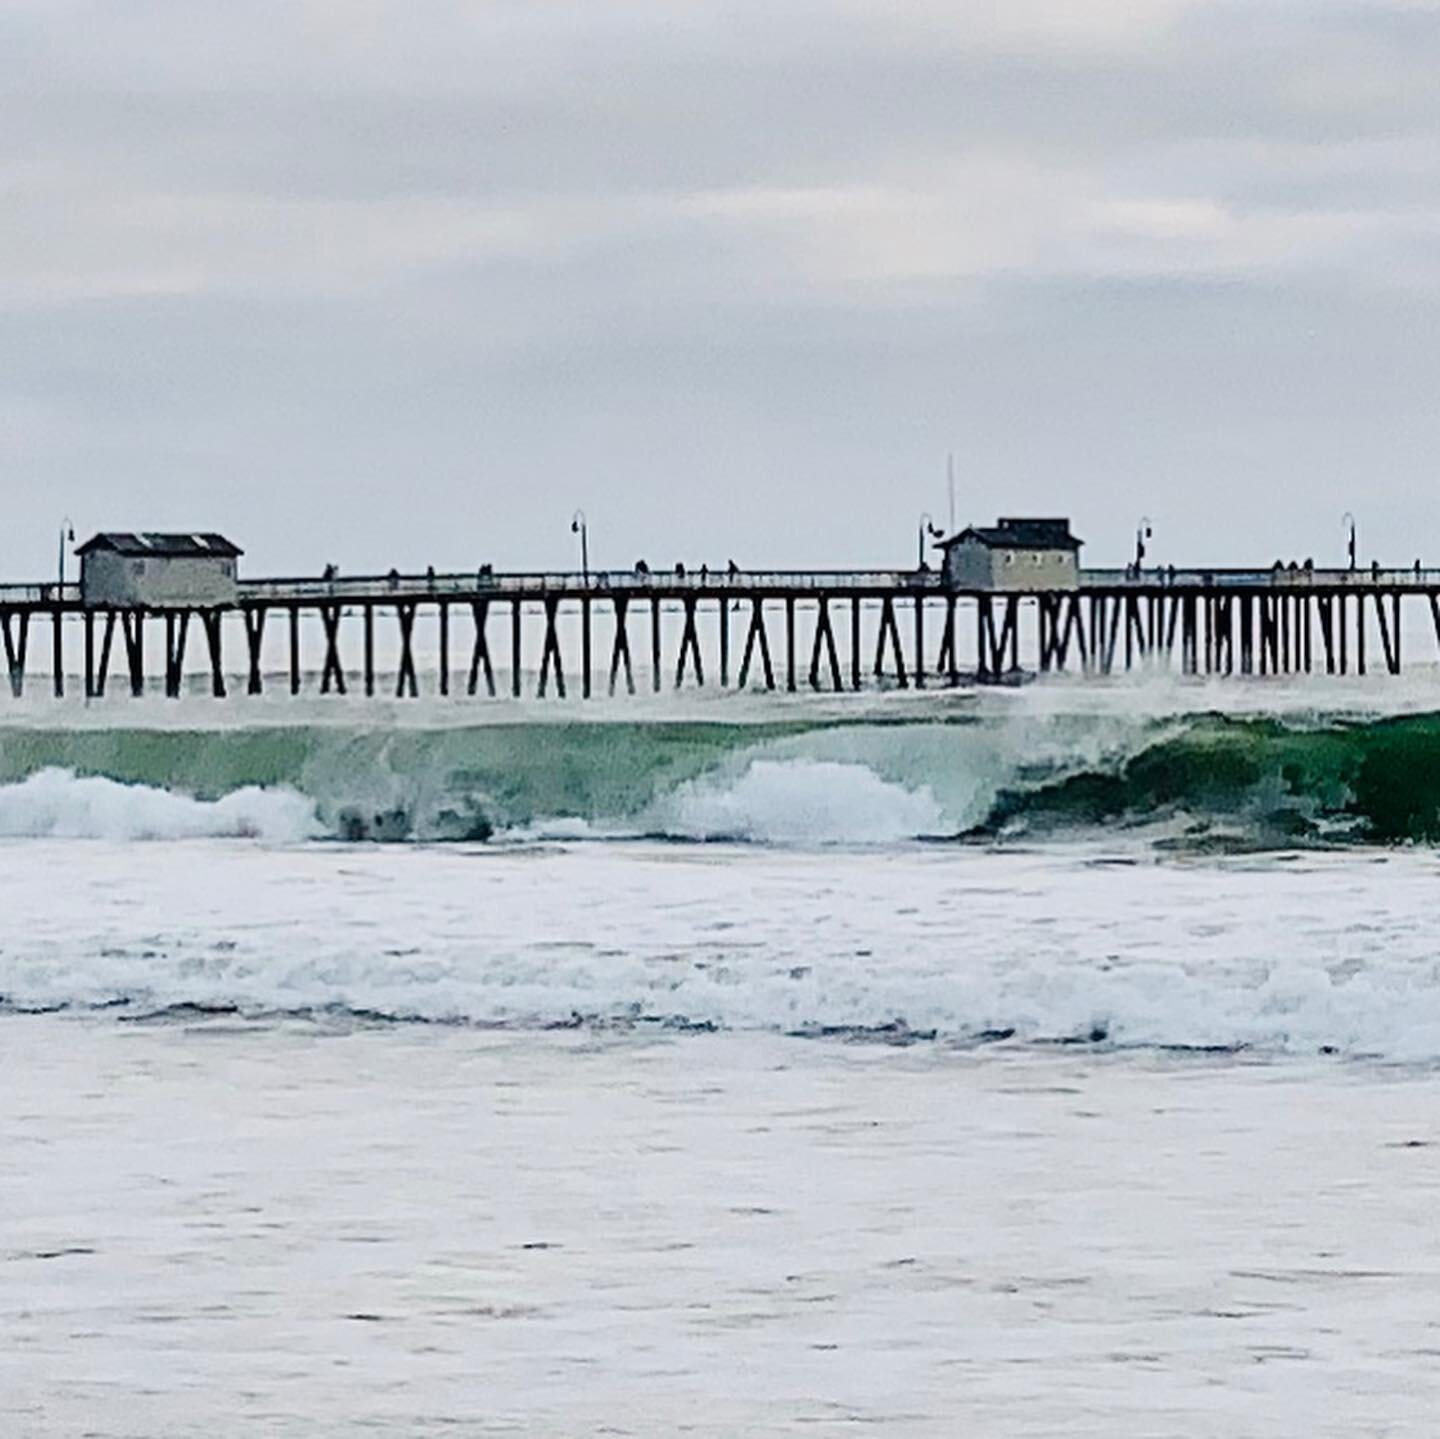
833, 630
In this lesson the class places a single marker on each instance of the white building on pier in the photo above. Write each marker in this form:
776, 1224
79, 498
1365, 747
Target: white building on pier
158, 571
1014, 554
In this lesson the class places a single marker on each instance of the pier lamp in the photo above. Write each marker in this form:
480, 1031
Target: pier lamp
67, 535
579, 527
927, 527
1348, 520
1143, 531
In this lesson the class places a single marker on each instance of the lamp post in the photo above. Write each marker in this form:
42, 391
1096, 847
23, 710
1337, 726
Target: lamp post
1348, 521
67, 534
579, 527
1143, 531
927, 527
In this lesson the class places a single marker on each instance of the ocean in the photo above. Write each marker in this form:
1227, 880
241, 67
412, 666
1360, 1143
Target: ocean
1060, 1060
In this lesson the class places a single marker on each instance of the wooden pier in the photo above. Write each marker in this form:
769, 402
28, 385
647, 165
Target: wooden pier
614, 633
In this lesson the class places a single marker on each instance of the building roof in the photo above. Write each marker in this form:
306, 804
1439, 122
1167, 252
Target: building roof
170, 546
1018, 534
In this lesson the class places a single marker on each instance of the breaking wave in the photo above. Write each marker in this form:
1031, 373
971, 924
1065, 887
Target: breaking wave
1201, 780
58, 804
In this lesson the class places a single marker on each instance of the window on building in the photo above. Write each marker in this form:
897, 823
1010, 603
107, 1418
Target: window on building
139, 567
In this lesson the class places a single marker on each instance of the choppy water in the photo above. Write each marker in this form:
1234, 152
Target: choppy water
1063, 1062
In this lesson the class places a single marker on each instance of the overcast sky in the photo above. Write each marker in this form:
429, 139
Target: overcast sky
405, 283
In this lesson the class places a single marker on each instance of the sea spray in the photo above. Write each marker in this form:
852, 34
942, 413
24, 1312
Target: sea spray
56, 803
799, 802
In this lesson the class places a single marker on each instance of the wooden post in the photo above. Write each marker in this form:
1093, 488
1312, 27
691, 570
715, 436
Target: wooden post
134, 625
254, 617
177, 625
444, 675
620, 650
480, 653
294, 649
213, 620
368, 627
15, 647
824, 633
855, 642
89, 654
920, 642
756, 634
723, 619
105, 644
655, 643
57, 652
945, 662
585, 646
689, 647
790, 643
890, 630
332, 672
406, 680
515, 648
550, 651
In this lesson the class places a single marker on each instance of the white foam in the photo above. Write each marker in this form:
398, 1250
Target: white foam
1281, 955
800, 802
56, 803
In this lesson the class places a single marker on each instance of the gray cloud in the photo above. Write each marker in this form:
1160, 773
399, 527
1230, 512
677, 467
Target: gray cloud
373, 282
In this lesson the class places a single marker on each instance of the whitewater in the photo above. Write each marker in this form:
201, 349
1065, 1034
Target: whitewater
1060, 1060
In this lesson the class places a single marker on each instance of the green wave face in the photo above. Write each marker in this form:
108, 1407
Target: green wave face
512, 774
1265, 780
1255, 782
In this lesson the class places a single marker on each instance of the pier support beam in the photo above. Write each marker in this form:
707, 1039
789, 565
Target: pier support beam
133, 623
620, 649
824, 636
890, 631
254, 617
480, 652
57, 652
689, 647
407, 682
333, 673
586, 660
368, 644
855, 642
756, 634
444, 670
550, 651
177, 626
213, 621
17, 641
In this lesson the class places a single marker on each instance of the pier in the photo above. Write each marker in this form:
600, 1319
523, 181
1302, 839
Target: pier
566, 635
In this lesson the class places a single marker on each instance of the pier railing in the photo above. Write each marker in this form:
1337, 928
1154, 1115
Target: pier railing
539, 584
831, 629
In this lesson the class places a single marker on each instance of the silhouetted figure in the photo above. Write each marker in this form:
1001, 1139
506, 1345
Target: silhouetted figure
394, 578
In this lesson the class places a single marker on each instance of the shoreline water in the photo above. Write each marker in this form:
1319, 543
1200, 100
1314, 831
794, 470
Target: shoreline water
418, 1231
